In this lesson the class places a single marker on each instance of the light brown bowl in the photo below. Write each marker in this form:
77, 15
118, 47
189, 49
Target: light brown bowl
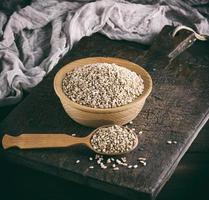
95, 117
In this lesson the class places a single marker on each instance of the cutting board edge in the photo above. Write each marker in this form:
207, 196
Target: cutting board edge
67, 175
155, 191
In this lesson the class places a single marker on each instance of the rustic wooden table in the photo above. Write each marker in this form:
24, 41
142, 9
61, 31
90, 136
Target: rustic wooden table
190, 179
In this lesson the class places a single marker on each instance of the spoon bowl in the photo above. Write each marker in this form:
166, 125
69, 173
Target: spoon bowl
55, 140
111, 154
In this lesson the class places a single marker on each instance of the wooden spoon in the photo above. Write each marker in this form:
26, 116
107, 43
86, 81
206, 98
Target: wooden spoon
37, 141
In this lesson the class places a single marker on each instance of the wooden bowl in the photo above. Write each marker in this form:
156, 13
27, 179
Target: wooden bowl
95, 117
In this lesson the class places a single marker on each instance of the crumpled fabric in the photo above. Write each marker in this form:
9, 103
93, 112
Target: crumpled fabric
34, 38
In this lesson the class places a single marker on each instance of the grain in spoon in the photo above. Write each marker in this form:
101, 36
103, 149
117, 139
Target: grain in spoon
106, 140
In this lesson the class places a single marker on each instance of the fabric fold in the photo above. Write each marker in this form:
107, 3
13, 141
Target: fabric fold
33, 39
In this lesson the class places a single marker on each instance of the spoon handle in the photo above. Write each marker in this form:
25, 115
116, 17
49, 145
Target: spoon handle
34, 141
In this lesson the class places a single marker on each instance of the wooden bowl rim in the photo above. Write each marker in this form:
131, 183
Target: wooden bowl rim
59, 77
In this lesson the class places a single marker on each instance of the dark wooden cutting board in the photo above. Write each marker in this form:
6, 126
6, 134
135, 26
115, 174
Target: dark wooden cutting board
176, 110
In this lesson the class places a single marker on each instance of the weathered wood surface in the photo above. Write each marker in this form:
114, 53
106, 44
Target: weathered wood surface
176, 110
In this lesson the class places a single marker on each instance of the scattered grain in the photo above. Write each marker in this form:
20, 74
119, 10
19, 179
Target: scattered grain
103, 166
143, 162
140, 132
142, 158
123, 159
118, 161
124, 164
141, 149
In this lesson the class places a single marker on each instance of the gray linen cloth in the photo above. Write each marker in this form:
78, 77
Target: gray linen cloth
34, 38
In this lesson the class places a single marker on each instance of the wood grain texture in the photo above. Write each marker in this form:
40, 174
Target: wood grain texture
176, 110
38, 140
